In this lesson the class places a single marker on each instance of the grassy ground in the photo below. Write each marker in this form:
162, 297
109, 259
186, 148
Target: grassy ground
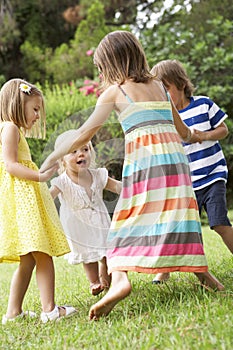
178, 315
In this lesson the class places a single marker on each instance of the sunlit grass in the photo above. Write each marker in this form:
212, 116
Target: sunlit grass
178, 315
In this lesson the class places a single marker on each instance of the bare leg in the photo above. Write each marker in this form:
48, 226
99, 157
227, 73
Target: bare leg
19, 285
209, 280
92, 273
226, 232
105, 278
121, 288
45, 277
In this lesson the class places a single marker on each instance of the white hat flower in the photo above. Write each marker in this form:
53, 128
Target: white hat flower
25, 88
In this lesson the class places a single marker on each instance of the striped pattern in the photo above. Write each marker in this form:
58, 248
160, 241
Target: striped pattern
207, 161
155, 226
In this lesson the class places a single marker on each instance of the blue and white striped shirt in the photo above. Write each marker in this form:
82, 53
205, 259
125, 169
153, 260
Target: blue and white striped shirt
206, 160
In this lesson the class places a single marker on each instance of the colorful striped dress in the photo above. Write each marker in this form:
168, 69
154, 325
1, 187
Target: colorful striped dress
155, 226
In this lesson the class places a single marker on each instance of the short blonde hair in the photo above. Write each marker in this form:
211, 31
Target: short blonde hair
120, 56
62, 138
172, 72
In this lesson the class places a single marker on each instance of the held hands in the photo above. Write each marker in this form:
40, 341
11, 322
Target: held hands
219, 133
202, 135
47, 174
194, 136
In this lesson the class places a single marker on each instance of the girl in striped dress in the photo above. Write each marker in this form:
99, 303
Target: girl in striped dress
155, 226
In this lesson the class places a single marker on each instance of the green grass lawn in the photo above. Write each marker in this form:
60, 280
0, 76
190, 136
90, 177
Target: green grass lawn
177, 315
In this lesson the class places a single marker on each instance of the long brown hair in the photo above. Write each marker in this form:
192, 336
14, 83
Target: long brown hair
120, 56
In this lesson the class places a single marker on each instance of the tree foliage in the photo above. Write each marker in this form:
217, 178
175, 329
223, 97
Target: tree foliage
47, 41
40, 23
67, 61
200, 35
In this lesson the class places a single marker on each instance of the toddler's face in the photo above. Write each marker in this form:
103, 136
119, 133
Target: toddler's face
78, 159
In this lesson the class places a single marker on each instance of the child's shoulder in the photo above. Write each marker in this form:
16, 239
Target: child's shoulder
99, 171
100, 175
59, 177
10, 128
202, 99
110, 93
8, 124
60, 181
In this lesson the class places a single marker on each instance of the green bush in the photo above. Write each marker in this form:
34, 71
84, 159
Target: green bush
62, 102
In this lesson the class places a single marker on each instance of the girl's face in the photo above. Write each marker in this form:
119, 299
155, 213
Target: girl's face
32, 108
78, 159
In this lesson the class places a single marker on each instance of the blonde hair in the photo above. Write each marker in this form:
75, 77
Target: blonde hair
12, 107
120, 56
63, 138
172, 72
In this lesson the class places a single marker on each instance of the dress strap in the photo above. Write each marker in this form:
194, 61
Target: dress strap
125, 94
167, 93
168, 96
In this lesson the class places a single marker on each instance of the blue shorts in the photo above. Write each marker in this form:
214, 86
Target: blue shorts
213, 199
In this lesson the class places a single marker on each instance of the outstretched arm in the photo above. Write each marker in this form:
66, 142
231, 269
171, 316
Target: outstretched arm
103, 108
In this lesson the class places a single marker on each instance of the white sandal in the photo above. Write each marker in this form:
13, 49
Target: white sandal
18, 317
54, 315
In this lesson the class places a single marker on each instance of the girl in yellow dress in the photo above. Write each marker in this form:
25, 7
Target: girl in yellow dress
30, 230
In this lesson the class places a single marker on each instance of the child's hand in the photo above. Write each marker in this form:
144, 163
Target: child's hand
201, 135
47, 174
195, 136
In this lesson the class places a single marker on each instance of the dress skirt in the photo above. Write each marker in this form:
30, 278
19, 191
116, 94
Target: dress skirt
156, 225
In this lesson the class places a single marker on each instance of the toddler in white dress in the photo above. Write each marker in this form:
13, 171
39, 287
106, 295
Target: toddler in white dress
83, 214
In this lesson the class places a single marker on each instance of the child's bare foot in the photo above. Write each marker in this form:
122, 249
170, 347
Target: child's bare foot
209, 280
105, 281
104, 277
120, 289
96, 288
161, 277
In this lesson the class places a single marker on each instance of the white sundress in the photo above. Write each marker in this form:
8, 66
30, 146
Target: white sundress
85, 220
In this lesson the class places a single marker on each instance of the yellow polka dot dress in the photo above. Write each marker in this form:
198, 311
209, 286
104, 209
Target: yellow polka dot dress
29, 220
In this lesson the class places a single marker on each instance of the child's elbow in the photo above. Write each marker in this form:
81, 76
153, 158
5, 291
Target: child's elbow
10, 167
